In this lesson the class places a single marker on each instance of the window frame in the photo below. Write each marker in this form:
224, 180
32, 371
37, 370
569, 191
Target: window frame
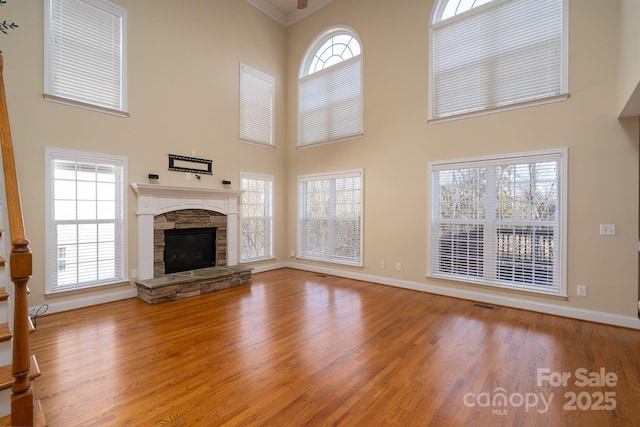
73, 97
332, 75
514, 103
331, 217
269, 243
263, 97
120, 220
561, 156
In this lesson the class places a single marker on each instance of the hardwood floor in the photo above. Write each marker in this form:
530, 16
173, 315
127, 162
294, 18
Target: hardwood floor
296, 348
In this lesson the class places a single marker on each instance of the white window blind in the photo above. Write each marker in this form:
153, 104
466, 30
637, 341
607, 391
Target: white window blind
330, 217
256, 106
330, 88
500, 221
501, 54
331, 103
86, 230
85, 54
256, 221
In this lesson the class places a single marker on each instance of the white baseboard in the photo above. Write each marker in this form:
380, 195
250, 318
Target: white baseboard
547, 308
56, 307
267, 267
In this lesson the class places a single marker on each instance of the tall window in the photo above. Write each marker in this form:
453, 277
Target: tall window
85, 209
330, 88
256, 106
256, 221
489, 55
501, 221
330, 217
85, 54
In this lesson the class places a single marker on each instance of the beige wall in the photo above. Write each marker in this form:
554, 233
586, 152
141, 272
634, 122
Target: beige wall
629, 66
183, 97
398, 144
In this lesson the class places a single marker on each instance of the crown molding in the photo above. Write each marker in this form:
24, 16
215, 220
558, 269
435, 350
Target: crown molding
294, 17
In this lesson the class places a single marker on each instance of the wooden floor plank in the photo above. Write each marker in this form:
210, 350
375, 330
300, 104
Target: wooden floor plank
297, 348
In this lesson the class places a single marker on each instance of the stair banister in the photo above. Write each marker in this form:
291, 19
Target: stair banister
20, 262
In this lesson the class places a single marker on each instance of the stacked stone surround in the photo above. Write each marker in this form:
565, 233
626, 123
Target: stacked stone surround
186, 284
188, 218
170, 287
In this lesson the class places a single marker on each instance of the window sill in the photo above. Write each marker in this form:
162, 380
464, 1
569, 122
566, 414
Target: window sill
258, 144
523, 289
330, 141
493, 110
93, 288
84, 105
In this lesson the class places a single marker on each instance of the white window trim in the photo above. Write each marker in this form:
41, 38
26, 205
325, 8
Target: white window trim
564, 95
244, 120
261, 177
55, 154
562, 153
49, 96
301, 204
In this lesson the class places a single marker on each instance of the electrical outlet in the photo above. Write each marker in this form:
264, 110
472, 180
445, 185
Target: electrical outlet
134, 273
381, 264
398, 266
582, 291
607, 229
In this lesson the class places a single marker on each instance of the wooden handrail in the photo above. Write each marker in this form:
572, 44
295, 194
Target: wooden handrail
21, 265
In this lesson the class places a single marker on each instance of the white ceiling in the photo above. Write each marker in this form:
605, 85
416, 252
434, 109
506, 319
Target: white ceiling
286, 11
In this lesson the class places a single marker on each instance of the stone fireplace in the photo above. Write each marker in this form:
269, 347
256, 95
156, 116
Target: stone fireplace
205, 232
164, 210
161, 207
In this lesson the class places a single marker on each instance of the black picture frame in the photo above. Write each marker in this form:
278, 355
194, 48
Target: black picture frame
190, 164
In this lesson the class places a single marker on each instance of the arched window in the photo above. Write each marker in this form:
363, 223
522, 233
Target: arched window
489, 55
330, 88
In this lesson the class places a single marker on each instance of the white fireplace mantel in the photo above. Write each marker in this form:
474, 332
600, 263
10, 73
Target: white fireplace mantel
155, 199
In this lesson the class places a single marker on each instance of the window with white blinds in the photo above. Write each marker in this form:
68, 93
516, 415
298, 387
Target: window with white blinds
330, 217
501, 221
256, 219
85, 219
493, 55
330, 89
85, 54
256, 106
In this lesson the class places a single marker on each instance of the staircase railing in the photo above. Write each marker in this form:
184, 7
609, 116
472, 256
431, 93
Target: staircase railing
20, 262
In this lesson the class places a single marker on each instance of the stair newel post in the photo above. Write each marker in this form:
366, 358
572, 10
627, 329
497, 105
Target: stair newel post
22, 397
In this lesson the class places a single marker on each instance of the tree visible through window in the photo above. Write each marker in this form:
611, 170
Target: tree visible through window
256, 221
500, 221
330, 217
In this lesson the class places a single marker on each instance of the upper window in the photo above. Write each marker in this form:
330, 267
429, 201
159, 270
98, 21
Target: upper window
330, 88
256, 106
256, 221
501, 221
85, 54
330, 217
489, 55
85, 219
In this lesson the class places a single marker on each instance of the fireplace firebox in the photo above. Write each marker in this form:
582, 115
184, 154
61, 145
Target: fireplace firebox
189, 249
